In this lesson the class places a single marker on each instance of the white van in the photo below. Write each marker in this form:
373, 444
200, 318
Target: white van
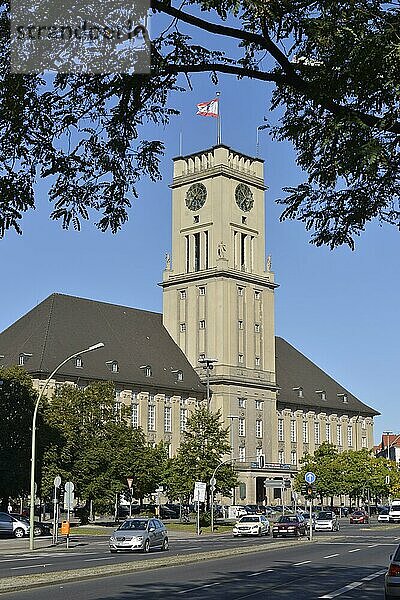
394, 511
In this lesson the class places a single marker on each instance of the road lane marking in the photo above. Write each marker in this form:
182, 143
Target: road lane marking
353, 585
301, 563
355, 550
373, 545
331, 555
200, 587
101, 558
261, 572
31, 567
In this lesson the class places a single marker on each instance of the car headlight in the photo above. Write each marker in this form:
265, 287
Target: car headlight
139, 538
291, 527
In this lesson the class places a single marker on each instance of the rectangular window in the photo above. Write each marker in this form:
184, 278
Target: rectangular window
183, 294
135, 415
260, 404
280, 430
242, 402
202, 324
202, 290
257, 361
151, 418
240, 291
187, 245
363, 442
206, 248
327, 432
339, 434
241, 427
316, 433
259, 428
182, 327
243, 251
257, 295
257, 327
349, 435
293, 431
305, 432
240, 359
240, 324
182, 419
197, 253
167, 418
281, 457
363, 424
242, 454
293, 457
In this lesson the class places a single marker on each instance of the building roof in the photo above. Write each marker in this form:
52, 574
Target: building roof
62, 325
294, 371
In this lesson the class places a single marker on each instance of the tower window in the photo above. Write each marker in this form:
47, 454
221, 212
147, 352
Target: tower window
183, 294
240, 324
257, 361
187, 245
196, 219
182, 327
196, 251
257, 327
241, 359
244, 220
202, 290
240, 291
242, 402
202, 324
257, 295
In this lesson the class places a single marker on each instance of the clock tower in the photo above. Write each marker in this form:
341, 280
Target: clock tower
218, 290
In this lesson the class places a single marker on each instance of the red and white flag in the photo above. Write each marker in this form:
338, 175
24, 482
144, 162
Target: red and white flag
208, 109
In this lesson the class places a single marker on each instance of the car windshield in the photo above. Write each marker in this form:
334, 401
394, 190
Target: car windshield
249, 520
138, 524
287, 519
396, 556
324, 516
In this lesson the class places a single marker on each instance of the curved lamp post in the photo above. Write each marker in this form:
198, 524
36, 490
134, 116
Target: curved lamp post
33, 451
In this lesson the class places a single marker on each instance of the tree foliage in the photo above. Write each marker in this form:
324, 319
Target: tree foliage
204, 445
333, 70
17, 401
352, 473
97, 449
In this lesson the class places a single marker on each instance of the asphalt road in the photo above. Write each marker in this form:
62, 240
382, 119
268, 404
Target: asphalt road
349, 567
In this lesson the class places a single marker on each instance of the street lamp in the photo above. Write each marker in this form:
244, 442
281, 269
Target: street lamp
231, 418
208, 364
33, 450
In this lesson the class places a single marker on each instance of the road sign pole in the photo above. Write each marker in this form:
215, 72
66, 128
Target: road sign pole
311, 507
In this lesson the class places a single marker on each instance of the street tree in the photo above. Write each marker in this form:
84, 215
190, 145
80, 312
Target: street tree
17, 401
331, 68
97, 448
204, 446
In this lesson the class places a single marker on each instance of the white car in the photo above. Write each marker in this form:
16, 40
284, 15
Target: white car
252, 525
326, 521
383, 516
394, 511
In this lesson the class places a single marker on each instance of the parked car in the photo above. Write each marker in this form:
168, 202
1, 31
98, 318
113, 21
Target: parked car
359, 516
294, 525
39, 528
251, 525
139, 534
383, 516
12, 526
392, 576
326, 521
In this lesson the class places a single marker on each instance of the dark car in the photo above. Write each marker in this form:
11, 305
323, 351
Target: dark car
359, 516
287, 525
39, 528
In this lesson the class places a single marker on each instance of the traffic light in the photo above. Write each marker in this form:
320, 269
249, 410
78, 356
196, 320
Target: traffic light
310, 491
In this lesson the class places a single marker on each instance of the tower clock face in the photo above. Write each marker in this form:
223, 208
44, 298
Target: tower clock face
196, 196
244, 197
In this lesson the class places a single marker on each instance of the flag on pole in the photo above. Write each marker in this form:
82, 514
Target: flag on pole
208, 109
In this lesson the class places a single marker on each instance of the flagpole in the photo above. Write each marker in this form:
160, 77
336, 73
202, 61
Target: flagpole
218, 94
180, 143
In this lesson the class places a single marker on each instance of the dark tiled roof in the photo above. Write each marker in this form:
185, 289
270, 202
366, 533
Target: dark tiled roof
62, 325
294, 370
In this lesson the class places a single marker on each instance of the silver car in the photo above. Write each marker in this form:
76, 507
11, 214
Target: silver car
139, 534
13, 526
326, 521
392, 576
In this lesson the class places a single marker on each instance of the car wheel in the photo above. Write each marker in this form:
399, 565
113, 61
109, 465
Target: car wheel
19, 532
165, 544
146, 547
259, 532
37, 531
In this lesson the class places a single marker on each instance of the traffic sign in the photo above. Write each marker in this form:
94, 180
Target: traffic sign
309, 477
199, 491
57, 481
69, 486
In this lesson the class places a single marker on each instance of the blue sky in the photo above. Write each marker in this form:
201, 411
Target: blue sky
340, 308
